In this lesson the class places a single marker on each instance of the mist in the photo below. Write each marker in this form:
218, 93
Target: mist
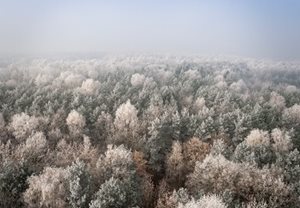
258, 29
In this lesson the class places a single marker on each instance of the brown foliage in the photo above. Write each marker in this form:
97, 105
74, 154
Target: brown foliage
194, 150
146, 179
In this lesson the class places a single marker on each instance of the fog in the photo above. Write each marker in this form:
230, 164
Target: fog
258, 29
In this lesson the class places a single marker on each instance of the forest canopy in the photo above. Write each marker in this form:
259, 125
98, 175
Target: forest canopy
149, 131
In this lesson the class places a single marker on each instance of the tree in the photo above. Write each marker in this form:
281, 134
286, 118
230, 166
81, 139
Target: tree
199, 104
194, 150
43, 79
116, 166
258, 137
220, 147
33, 152
2, 121
75, 122
173, 199
126, 117
147, 185
65, 153
13, 183
175, 166
256, 149
290, 164
89, 86
49, 189
116, 162
126, 124
238, 86
158, 144
211, 201
23, 125
277, 101
113, 193
292, 114
4, 132
137, 80
282, 141
104, 127
36, 143
218, 175
73, 80
79, 185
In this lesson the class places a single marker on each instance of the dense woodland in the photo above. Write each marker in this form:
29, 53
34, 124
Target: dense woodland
149, 132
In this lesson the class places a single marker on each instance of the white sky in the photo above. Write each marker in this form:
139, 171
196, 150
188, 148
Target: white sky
251, 28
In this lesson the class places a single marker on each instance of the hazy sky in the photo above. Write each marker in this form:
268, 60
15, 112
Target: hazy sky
250, 28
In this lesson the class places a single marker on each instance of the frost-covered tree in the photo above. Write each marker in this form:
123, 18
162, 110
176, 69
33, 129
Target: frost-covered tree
89, 86
2, 121
282, 140
238, 86
76, 122
292, 114
160, 140
36, 142
116, 162
13, 183
23, 125
43, 79
126, 124
277, 101
65, 153
34, 151
258, 137
73, 80
175, 165
219, 175
49, 189
256, 149
104, 127
117, 166
114, 193
131, 129
137, 80
126, 117
199, 104
173, 199
79, 185
211, 201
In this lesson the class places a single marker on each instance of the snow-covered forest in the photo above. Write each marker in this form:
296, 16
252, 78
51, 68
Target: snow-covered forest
149, 132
